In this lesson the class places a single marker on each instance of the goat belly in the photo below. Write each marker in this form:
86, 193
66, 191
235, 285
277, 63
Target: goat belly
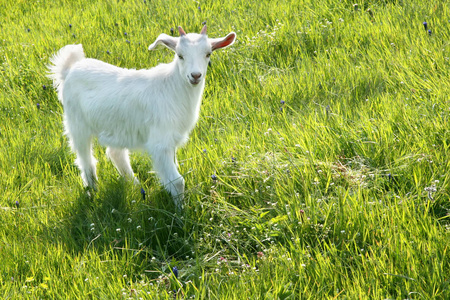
119, 138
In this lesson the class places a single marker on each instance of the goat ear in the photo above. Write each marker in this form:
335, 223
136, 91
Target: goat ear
168, 41
223, 42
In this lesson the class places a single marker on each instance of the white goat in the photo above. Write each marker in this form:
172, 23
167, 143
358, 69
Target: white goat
153, 109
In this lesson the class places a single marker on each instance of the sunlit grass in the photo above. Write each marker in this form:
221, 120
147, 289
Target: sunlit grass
318, 168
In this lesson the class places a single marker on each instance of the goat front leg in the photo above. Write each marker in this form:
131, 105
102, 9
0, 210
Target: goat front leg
164, 163
121, 161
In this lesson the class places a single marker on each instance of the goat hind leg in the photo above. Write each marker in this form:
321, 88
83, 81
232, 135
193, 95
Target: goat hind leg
85, 161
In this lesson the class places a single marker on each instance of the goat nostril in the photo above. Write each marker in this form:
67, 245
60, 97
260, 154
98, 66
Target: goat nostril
196, 75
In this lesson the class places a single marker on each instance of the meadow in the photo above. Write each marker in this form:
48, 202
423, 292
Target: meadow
318, 168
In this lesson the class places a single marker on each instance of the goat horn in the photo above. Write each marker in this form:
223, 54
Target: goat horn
203, 30
181, 31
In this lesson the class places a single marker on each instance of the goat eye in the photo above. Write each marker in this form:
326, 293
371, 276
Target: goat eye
180, 56
208, 55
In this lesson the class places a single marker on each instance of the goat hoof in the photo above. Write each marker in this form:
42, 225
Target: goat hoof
90, 191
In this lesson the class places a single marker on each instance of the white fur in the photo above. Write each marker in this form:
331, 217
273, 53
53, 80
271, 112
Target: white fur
152, 109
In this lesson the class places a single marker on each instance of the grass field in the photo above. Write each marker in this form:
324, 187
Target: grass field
318, 168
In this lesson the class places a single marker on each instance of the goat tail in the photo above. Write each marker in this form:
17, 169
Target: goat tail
62, 62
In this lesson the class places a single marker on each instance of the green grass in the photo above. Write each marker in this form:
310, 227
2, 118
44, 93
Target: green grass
340, 192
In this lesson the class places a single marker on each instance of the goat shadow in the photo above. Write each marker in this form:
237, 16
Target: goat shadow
117, 218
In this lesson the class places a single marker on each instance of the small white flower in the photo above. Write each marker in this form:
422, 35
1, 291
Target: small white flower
118, 229
431, 189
